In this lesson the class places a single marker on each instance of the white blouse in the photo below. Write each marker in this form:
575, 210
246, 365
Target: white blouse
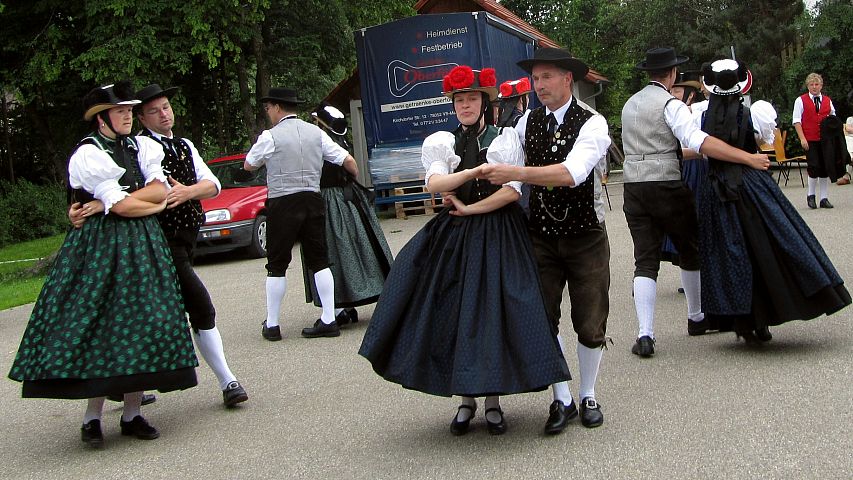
439, 157
93, 170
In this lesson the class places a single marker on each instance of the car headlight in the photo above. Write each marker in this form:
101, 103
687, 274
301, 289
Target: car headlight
222, 215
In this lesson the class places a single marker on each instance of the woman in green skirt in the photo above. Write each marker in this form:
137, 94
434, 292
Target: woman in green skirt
109, 319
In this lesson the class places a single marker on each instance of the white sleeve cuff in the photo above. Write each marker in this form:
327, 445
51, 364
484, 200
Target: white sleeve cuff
109, 192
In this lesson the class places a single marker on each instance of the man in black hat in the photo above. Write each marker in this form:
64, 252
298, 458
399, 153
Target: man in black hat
656, 200
190, 180
294, 152
564, 140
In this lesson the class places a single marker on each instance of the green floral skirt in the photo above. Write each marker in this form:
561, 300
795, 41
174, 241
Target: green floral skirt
110, 318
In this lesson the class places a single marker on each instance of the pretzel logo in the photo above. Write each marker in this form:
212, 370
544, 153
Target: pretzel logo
402, 77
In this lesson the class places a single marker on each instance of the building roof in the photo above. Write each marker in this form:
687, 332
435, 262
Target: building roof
349, 88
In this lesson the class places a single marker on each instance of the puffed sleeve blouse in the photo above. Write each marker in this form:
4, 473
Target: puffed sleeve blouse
93, 170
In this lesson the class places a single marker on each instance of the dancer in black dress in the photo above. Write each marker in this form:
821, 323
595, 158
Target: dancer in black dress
462, 311
761, 264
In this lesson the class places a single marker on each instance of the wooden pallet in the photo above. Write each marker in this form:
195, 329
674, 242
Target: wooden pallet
417, 203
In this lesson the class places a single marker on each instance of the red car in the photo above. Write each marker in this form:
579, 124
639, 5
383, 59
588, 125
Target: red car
237, 217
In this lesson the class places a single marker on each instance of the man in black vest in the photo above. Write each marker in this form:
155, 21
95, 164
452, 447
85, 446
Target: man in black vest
190, 180
564, 140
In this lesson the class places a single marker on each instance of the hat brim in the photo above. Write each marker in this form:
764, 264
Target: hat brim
690, 83
574, 65
100, 107
294, 101
716, 90
492, 92
168, 93
679, 59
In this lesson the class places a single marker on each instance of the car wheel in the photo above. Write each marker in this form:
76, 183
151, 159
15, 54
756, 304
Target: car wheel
258, 247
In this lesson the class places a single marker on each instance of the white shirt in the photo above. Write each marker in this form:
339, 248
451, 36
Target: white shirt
94, 170
265, 146
590, 146
683, 125
797, 117
202, 171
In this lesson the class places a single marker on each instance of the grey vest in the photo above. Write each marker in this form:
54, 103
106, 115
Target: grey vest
651, 150
297, 160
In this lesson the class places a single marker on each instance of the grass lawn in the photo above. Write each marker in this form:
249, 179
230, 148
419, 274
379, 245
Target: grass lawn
17, 287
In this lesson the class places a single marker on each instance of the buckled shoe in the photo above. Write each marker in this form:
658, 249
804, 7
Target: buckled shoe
233, 394
591, 415
558, 416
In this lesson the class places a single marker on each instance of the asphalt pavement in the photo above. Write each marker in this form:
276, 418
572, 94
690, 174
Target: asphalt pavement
702, 407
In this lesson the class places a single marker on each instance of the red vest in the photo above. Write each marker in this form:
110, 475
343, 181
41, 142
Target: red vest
811, 119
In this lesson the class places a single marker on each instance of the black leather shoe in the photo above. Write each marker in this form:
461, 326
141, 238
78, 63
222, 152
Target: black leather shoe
559, 416
320, 329
147, 398
353, 315
461, 427
139, 428
810, 201
91, 433
591, 415
234, 394
496, 428
645, 346
825, 203
763, 334
698, 328
272, 334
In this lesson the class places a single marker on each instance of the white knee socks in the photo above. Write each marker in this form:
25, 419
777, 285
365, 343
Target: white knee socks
690, 279
589, 360
823, 182
276, 288
493, 402
326, 291
464, 413
811, 184
561, 390
209, 343
645, 291
94, 409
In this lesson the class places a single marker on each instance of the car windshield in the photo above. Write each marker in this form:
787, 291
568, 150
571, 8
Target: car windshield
232, 175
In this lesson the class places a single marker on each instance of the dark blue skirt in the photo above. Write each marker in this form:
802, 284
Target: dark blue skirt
462, 313
761, 264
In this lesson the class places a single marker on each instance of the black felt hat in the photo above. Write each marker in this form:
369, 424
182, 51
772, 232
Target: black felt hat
283, 95
556, 56
661, 58
332, 118
154, 91
107, 97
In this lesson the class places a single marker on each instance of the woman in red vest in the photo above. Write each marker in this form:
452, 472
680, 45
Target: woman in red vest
810, 109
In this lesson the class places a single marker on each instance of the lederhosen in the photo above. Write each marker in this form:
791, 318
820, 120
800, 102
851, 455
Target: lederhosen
180, 226
570, 245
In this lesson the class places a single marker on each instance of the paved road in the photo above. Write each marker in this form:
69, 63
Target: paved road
705, 407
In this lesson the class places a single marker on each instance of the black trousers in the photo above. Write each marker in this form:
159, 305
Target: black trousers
655, 209
816, 167
197, 301
297, 217
581, 263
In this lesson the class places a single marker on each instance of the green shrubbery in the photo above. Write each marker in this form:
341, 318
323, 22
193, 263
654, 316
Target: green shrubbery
31, 211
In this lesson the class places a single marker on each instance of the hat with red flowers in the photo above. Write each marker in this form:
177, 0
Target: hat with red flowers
464, 79
514, 88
